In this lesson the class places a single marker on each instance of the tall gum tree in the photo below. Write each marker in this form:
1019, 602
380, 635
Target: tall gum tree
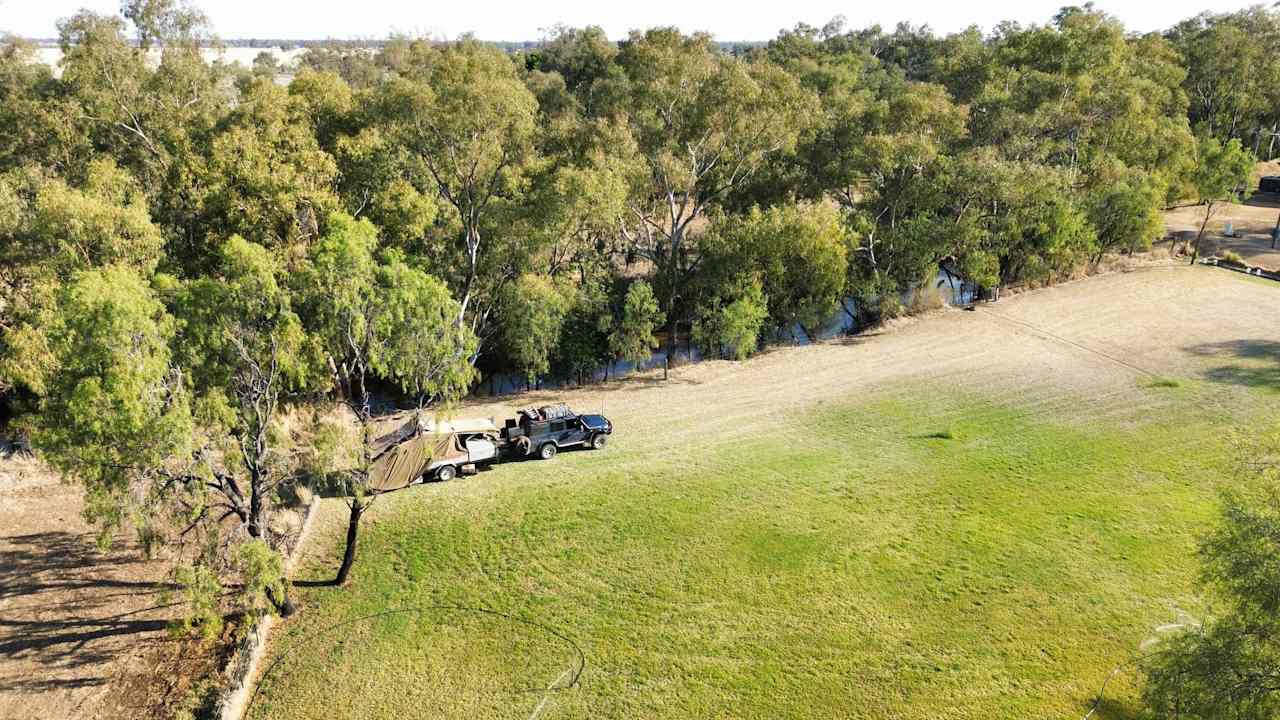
242, 346
703, 124
468, 119
371, 315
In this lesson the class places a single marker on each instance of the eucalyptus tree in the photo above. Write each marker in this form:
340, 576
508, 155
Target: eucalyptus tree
1222, 169
1079, 93
799, 254
1006, 220
469, 122
164, 22
1126, 214
156, 121
731, 326
265, 175
158, 395
49, 232
703, 124
1233, 74
149, 119
39, 125
369, 314
241, 346
533, 311
878, 148
631, 336
121, 416
115, 412
581, 56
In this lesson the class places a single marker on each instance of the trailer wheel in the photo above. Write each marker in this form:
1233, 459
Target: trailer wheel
447, 473
548, 451
598, 441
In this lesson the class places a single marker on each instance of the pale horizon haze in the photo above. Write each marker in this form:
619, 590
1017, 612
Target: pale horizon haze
516, 21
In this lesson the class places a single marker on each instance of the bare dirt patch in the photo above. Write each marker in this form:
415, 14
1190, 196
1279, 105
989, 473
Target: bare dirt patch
1252, 220
82, 632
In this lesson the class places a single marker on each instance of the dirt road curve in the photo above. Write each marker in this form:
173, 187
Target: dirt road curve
81, 633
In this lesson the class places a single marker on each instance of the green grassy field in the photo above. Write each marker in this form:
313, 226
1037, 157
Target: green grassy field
902, 557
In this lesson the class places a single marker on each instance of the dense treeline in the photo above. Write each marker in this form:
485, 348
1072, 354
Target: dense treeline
188, 247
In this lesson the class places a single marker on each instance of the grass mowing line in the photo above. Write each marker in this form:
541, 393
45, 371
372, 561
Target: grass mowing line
1073, 343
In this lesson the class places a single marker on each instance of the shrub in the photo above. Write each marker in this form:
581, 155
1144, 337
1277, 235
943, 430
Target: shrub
925, 298
1232, 258
733, 331
890, 306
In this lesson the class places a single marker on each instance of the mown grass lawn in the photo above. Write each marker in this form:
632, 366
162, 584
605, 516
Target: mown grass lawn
891, 558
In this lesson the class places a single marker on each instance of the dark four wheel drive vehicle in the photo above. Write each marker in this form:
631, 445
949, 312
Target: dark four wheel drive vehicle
544, 431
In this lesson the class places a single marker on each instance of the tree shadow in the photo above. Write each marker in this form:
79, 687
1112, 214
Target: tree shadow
1263, 199
1260, 367
332, 582
33, 685
1108, 709
72, 608
55, 560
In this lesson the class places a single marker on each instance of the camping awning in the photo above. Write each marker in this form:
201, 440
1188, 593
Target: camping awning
405, 444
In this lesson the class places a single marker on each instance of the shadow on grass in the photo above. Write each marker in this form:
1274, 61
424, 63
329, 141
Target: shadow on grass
331, 582
1113, 710
1262, 369
1263, 199
939, 435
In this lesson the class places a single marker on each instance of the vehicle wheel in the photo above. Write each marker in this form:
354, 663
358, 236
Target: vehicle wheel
548, 451
598, 441
447, 473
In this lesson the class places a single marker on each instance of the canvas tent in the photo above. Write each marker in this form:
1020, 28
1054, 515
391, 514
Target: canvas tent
405, 445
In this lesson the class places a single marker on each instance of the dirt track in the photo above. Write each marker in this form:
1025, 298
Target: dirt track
80, 634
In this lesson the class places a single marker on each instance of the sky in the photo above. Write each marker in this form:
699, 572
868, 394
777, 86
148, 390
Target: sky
524, 20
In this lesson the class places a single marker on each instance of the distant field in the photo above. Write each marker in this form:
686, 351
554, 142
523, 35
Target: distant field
975, 515
243, 55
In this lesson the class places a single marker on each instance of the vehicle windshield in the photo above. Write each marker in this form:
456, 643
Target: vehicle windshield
594, 421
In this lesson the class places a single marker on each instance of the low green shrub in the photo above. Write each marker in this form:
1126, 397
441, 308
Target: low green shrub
1232, 258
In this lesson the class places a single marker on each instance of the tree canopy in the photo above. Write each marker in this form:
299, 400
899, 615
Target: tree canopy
195, 256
